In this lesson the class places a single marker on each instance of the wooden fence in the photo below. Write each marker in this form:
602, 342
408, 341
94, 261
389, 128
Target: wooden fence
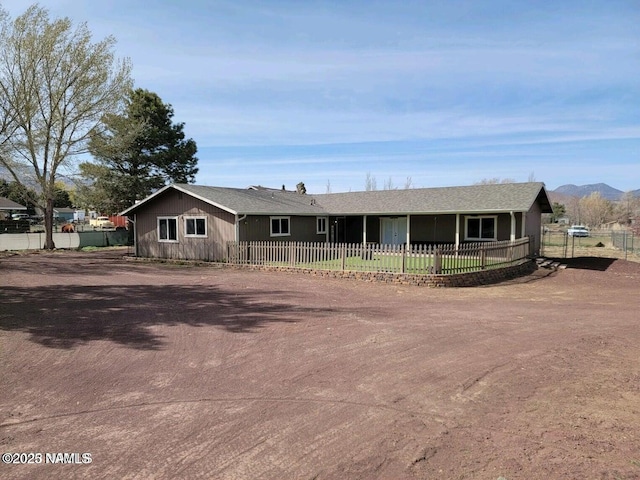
415, 259
35, 241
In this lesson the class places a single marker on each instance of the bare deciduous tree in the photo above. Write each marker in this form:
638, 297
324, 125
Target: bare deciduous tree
628, 208
495, 181
388, 184
595, 210
55, 86
573, 209
370, 183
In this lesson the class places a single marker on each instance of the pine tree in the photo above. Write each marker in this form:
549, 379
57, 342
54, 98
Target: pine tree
136, 154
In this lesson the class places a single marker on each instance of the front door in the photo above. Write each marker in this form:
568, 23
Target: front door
393, 230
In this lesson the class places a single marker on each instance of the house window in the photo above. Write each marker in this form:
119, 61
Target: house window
280, 226
195, 227
481, 228
321, 225
167, 229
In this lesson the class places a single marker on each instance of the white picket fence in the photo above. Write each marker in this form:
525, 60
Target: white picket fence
415, 259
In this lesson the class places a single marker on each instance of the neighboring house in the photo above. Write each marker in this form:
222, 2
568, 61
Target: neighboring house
196, 222
63, 215
7, 207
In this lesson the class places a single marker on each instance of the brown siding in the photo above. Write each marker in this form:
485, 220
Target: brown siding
258, 229
533, 225
373, 229
504, 227
432, 229
220, 228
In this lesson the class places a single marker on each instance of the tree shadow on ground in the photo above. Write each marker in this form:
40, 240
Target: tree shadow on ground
588, 263
66, 316
67, 263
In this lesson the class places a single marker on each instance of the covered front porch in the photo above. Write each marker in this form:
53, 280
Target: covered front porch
407, 229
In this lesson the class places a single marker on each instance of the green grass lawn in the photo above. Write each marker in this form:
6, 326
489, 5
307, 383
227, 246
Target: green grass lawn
393, 263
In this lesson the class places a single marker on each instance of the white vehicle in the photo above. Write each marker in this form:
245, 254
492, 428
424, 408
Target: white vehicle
101, 223
20, 216
578, 231
78, 216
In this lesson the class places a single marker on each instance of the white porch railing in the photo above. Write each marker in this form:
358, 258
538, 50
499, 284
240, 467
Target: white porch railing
415, 259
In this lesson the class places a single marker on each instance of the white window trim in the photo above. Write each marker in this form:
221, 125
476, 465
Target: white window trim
194, 218
167, 240
271, 219
325, 222
480, 217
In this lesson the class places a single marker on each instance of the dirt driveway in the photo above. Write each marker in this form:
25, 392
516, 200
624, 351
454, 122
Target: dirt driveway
170, 372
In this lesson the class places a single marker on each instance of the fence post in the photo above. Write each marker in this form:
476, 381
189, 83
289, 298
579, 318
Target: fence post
483, 257
343, 255
624, 243
437, 261
530, 245
403, 252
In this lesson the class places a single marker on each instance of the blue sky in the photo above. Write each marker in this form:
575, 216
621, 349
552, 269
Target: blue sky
443, 92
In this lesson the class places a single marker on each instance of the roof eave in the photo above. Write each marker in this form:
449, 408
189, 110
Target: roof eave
182, 190
135, 206
433, 212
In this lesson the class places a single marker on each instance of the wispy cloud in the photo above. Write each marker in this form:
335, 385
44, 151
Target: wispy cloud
444, 92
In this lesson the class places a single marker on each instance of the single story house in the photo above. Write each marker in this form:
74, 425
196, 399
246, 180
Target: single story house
7, 207
63, 214
196, 222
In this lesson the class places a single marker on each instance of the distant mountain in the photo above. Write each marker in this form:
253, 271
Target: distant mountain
580, 191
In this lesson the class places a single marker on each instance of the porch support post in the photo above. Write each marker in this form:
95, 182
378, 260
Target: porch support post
135, 234
457, 230
408, 230
364, 229
513, 226
524, 224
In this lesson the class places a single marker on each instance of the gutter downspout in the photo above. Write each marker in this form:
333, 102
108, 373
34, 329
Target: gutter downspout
238, 220
135, 234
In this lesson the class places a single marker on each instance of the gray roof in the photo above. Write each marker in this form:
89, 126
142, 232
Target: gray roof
255, 202
6, 204
516, 197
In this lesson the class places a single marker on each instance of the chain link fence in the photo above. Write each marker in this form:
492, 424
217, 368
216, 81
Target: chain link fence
600, 243
625, 241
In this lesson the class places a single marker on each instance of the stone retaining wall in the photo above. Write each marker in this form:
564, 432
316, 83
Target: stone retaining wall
469, 279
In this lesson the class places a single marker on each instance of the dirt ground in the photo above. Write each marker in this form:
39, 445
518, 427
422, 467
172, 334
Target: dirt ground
171, 371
